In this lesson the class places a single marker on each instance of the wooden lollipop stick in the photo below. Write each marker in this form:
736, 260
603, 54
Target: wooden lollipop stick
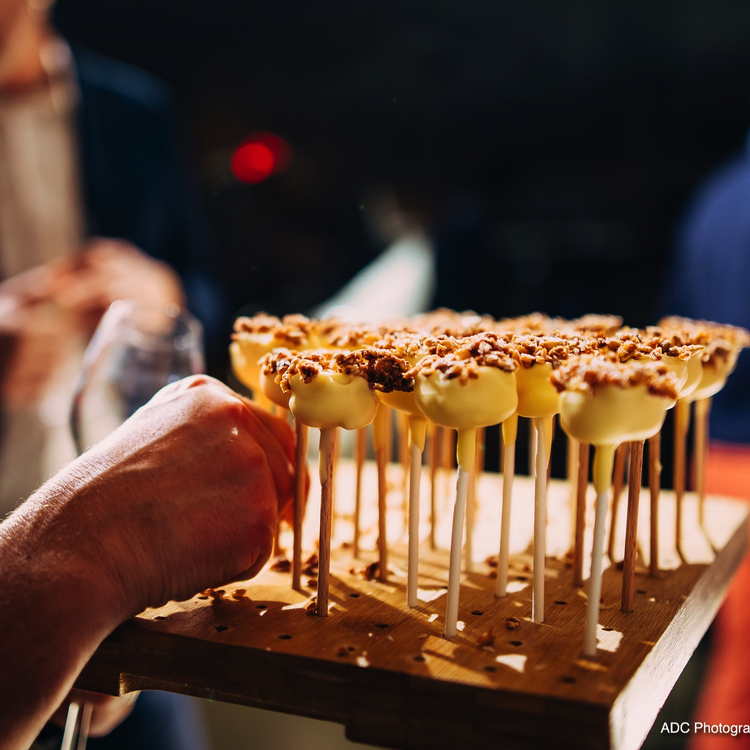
654, 487
300, 487
326, 466
543, 427
603, 462
580, 524
381, 427
509, 433
360, 448
465, 450
471, 501
336, 456
571, 470
681, 424
434, 434
702, 410
631, 525
617, 484
417, 436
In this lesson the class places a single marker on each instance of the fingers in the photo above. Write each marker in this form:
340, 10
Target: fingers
275, 425
282, 467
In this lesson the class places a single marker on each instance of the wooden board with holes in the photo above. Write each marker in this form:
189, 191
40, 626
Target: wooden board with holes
390, 677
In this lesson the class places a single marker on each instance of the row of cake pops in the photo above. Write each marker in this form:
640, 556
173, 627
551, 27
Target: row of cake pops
615, 387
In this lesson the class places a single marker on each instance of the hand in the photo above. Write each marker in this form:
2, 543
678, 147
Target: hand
187, 491
183, 496
36, 337
110, 269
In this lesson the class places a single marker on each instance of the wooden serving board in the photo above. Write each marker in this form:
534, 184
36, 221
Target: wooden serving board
387, 673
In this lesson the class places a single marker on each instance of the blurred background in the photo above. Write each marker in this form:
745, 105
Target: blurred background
527, 156
553, 147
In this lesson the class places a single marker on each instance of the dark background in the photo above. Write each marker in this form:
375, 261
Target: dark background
548, 148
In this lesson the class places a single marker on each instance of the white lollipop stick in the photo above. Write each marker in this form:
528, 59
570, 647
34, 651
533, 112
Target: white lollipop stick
572, 476
465, 451
327, 450
543, 426
509, 432
681, 425
654, 486
603, 464
434, 462
380, 430
702, 409
404, 458
471, 507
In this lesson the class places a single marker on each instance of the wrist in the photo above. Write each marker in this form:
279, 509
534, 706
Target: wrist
63, 540
55, 609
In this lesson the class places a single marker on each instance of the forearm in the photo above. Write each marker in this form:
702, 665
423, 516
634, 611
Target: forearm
55, 609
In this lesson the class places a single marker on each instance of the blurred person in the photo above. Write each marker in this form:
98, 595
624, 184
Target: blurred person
94, 206
710, 276
210, 471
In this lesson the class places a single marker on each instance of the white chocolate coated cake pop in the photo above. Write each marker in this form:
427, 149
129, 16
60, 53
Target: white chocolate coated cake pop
324, 394
605, 402
272, 368
257, 336
473, 386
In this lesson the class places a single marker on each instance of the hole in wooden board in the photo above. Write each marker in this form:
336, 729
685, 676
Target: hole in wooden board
641, 591
221, 628
568, 680
354, 596
516, 643
560, 602
160, 617
261, 606
490, 668
285, 637
477, 612
419, 657
382, 625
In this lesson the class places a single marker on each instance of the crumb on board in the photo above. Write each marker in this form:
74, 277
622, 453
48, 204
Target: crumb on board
369, 572
281, 565
310, 566
487, 638
239, 594
512, 623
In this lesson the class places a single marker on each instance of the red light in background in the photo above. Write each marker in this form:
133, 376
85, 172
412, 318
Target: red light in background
259, 156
